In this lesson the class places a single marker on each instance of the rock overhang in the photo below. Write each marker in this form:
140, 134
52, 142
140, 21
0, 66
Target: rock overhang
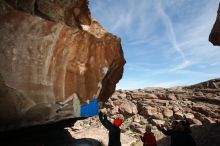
54, 70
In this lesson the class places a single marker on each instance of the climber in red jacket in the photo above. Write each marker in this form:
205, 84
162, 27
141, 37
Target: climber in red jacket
148, 139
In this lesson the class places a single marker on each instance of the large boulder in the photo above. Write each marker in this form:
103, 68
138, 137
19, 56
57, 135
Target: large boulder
56, 62
128, 108
144, 95
167, 112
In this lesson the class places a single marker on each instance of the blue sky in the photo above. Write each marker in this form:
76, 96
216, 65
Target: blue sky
165, 42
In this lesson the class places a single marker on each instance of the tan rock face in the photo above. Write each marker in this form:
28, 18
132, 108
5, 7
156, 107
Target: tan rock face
167, 113
214, 36
128, 108
44, 62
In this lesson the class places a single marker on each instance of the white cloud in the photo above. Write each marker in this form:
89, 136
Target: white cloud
171, 35
168, 84
136, 84
131, 84
194, 36
181, 66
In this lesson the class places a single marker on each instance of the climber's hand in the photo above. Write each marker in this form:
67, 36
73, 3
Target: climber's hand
160, 127
105, 117
100, 114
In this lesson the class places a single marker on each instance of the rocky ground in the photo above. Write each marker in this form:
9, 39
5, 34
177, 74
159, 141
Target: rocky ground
199, 103
158, 106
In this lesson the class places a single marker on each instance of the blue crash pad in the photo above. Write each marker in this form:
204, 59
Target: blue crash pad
90, 109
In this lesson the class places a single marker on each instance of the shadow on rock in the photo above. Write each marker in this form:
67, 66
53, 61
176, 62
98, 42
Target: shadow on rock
45, 135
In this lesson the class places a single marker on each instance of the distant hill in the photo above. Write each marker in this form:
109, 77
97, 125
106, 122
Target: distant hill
210, 84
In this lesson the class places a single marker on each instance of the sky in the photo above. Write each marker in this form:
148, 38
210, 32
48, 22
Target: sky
165, 42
